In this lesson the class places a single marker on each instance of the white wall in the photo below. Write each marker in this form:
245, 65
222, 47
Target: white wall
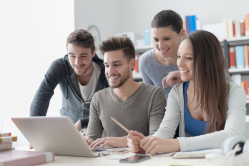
137, 14
33, 34
106, 15
134, 15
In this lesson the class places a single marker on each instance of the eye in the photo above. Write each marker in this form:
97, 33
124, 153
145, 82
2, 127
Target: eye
166, 38
189, 58
106, 66
118, 64
178, 56
156, 40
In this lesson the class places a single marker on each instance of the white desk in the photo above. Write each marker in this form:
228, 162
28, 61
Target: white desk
97, 161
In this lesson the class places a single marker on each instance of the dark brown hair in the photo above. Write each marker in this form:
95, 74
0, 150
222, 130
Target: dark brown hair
167, 18
118, 43
81, 37
210, 70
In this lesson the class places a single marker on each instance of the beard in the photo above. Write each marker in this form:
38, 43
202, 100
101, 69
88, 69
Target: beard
123, 79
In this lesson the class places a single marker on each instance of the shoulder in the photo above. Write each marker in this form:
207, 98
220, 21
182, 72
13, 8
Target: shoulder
102, 93
148, 55
177, 89
151, 89
236, 91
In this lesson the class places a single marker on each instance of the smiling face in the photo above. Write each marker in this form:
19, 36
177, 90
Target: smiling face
80, 58
117, 69
185, 61
166, 41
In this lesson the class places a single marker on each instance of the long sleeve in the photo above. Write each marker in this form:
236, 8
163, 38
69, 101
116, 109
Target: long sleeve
95, 128
172, 116
40, 103
157, 111
143, 70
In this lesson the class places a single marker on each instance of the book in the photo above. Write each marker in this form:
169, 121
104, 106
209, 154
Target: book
5, 146
239, 54
192, 20
194, 154
147, 36
225, 29
230, 28
247, 25
25, 158
232, 57
237, 28
2, 134
8, 139
187, 18
246, 56
242, 27
246, 88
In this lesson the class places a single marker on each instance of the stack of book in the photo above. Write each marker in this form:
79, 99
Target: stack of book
6, 140
8, 156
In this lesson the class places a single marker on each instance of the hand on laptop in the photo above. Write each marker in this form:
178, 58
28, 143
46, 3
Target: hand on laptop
88, 140
78, 125
113, 142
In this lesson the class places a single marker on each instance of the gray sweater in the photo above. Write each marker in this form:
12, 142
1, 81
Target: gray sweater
153, 72
143, 111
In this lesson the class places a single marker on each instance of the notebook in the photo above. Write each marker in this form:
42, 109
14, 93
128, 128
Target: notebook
54, 134
24, 158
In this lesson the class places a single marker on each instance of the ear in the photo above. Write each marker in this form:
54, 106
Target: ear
182, 33
132, 63
93, 54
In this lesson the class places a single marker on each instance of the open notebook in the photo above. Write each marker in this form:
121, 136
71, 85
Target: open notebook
54, 134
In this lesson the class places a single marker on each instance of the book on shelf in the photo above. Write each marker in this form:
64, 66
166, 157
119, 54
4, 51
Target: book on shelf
8, 139
5, 146
25, 158
147, 36
247, 25
242, 27
246, 88
246, 56
239, 54
232, 57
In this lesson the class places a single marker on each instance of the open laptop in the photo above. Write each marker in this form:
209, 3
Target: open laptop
55, 134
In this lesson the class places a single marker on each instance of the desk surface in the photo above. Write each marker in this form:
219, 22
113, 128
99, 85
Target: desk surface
96, 161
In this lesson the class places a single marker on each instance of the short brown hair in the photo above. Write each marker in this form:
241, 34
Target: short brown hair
81, 37
118, 43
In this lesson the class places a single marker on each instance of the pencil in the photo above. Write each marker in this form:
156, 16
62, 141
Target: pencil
120, 125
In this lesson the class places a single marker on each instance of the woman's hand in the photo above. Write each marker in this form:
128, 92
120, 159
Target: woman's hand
154, 145
171, 79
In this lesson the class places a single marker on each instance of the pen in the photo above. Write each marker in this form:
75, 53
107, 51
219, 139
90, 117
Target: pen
120, 125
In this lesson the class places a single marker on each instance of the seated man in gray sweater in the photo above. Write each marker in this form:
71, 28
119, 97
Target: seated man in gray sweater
137, 106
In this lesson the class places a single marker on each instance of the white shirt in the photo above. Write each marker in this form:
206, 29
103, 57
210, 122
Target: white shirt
87, 91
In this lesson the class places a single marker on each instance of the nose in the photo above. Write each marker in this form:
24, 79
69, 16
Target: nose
179, 62
110, 70
77, 61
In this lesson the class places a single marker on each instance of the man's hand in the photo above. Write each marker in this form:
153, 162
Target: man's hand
88, 140
154, 145
133, 139
78, 125
171, 79
113, 142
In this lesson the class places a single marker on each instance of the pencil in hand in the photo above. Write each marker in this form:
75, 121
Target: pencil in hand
120, 125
